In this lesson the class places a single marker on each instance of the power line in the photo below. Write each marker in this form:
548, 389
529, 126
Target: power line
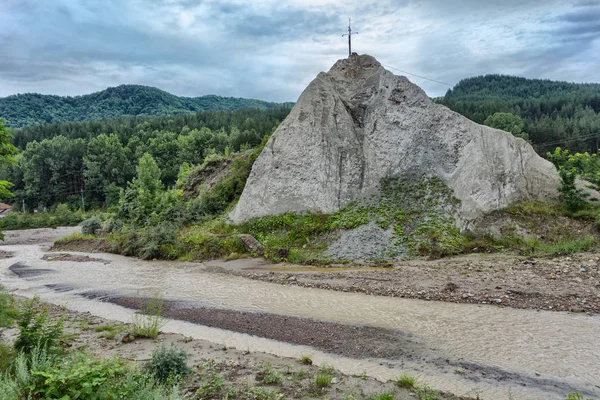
569, 140
418, 76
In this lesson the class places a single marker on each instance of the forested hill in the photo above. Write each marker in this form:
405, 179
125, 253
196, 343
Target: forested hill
29, 109
553, 113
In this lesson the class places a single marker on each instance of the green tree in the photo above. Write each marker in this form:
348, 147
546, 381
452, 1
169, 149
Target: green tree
106, 163
53, 169
7, 153
143, 196
507, 122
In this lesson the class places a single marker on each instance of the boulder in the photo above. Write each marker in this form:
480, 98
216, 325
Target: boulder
251, 244
359, 123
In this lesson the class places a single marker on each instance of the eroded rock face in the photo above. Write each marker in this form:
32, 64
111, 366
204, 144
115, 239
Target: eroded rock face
359, 123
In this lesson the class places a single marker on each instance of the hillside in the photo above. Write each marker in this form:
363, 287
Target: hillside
554, 113
31, 108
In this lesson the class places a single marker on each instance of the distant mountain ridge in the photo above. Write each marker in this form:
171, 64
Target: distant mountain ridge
125, 100
554, 113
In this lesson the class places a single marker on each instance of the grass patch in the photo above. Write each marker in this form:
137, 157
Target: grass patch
305, 359
109, 335
104, 328
81, 242
6, 355
426, 393
268, 375
323, 379
383, 396
406, 381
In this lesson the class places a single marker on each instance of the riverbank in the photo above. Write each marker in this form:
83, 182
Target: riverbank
218, 370
561, 283
546, 283
459, 348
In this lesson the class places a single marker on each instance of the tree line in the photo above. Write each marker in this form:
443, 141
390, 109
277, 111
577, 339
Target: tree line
548, 113
34, 109
90, 162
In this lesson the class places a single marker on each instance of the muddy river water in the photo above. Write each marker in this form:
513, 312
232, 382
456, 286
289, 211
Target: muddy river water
520, 354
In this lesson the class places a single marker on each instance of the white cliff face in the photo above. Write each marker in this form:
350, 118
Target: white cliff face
359, 123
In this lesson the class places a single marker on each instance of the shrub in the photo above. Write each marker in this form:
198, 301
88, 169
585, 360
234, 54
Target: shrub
77, 377
572, 197
90, 226
168, 363
35, 330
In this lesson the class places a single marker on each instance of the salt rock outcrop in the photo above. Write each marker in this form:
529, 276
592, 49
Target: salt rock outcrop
359, 123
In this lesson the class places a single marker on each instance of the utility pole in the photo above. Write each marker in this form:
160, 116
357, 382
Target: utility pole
349, 34
82, 201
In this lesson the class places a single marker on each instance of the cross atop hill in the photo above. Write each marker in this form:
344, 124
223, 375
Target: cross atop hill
349, 34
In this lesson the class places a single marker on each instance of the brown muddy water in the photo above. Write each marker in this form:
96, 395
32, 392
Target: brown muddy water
508, 353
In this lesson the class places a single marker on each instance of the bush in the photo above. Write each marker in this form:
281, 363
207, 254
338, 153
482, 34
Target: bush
77, 377
35, 330
90, 226
573, 198
168, 363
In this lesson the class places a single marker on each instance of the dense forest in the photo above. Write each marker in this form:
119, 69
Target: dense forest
551, 114
30, 109
89, 162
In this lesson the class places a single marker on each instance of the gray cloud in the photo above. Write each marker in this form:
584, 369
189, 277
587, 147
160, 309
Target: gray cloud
271, 49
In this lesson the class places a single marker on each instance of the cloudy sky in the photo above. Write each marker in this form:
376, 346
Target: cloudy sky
271, 49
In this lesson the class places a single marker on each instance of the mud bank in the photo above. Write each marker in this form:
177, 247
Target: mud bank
556, 284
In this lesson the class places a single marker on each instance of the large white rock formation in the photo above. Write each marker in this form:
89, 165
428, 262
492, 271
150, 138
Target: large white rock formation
359, 123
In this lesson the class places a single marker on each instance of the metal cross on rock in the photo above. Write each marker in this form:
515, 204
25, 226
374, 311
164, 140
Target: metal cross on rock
349, 34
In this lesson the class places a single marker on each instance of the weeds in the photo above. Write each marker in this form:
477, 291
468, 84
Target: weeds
406, 381
104, 328
323, 379
268, 374
383, 396
576, 396
426, 393
261, 393
149, 321
305, 359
